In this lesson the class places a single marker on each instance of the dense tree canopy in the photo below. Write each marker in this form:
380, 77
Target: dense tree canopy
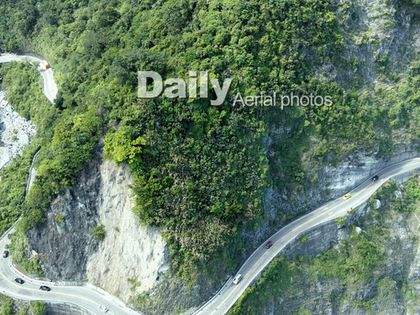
200, 171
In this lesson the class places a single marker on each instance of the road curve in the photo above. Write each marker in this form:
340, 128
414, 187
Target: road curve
50, 88
90, 298
261, 257
87, 297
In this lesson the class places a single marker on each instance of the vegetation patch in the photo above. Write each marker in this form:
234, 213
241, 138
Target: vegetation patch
99, 232
19, 248
357, 261
9, 307
199, 171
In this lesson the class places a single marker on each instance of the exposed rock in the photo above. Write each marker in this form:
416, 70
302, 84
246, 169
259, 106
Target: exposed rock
314, 242
61, 309
64, 242
383, 292
23, 307
130, 257
15, 132
357, 168
32, 174
135, 253
376, 29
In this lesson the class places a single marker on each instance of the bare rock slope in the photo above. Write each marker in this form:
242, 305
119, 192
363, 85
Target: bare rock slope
15, 132
131, 256
127, 258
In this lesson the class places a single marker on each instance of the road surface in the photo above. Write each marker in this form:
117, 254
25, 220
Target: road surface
90, 298
87, 297
261, 257
49, 85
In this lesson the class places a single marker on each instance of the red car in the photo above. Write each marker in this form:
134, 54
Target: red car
268, 244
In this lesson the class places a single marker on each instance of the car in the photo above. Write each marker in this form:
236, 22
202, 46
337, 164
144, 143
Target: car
44, 288
268, 244
104, 308
375, 178
237, 279
20, 280
6, 254
44, 66
347, 196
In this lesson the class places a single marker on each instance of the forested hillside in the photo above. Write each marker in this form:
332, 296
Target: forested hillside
200, 171
371, 270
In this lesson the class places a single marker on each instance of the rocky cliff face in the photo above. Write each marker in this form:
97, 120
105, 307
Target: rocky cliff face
15, 132
385, 293
64, 242
392, 283
366, 263
381, 39
124, 259
375, 31
131, 257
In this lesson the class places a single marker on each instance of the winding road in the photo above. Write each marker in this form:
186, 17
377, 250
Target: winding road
92, 299
50, 88
88, 298
261, 257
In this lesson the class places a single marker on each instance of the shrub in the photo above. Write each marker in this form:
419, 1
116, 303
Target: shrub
99, 232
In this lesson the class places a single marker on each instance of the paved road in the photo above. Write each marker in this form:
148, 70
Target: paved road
49, 86
261, 257
91, 298
87, 297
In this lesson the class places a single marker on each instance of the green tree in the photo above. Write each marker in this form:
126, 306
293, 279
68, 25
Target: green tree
123, 145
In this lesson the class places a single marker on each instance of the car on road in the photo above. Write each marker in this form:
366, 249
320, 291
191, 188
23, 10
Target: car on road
20, 280
6, 254
44, 66
44, 288
375, 178
237, 279
104, 308
268, 244
347, 196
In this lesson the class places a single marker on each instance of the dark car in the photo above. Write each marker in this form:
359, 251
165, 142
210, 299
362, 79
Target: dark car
268, 244
5, 254
375, 178
19, 280
44, 288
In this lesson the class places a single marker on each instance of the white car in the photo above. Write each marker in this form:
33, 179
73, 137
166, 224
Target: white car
237, 279
347, 196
